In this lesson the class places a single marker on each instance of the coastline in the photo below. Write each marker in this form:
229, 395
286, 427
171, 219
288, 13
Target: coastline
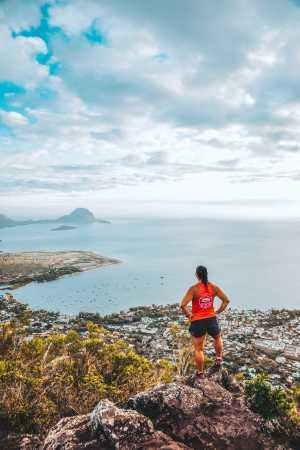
19, 269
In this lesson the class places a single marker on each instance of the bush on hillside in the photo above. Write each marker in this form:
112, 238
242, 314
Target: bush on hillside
44, 379
277, 406
268, 401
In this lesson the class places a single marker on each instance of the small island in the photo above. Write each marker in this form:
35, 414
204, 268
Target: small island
19, 269
63, 228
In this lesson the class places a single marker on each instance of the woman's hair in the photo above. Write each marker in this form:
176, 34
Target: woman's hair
201, 272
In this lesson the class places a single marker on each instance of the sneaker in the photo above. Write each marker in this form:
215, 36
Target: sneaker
216, 367
199, 375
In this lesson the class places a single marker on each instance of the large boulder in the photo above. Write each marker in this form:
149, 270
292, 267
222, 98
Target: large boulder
203, 417
108, 427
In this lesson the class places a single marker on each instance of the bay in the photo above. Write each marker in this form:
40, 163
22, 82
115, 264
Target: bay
254, 262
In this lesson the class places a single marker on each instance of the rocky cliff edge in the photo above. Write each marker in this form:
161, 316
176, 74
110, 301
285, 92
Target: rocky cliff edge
210, 414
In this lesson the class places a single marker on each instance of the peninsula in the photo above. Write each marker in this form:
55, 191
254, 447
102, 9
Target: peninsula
18, 269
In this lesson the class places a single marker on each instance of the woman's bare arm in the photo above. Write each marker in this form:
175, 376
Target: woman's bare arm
223, 297
185, 301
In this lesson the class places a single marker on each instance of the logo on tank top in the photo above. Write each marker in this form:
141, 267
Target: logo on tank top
205, 302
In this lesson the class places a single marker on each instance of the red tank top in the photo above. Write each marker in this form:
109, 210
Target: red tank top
203, 304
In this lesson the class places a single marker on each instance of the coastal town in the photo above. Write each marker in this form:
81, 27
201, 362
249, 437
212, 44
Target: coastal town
254, 341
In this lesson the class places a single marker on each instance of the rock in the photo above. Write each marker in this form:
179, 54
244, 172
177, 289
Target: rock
223, 378
198, 415
108, 427
20, 442
30, 442
71, 433
204, 417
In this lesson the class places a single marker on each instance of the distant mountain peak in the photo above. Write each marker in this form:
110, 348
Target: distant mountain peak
81, 212
79, 216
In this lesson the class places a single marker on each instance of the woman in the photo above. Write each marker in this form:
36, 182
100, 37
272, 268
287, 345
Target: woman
204, 318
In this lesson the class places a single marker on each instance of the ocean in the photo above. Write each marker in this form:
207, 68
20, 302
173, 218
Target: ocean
255, 262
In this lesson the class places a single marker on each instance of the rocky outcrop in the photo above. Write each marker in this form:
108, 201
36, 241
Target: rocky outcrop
207, 417
172, 416
108, 427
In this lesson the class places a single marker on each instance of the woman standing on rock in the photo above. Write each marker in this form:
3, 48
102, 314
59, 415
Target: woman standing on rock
204, 318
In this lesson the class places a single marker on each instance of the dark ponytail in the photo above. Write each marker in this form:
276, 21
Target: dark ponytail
201, 273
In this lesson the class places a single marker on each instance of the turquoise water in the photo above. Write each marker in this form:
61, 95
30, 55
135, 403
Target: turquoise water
256, 263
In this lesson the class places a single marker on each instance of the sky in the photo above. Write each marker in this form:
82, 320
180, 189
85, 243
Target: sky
159, 108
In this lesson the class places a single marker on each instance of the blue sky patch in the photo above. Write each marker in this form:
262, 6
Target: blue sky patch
54, 68
9, 92
44, 31
93, 34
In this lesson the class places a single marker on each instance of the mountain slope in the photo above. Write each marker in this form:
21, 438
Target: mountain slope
79, 216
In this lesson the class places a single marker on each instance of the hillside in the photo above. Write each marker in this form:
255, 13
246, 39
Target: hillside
93, 391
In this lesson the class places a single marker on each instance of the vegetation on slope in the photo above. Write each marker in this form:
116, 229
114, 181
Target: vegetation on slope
44, 379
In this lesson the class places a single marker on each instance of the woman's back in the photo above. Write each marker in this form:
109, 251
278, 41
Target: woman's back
203, 301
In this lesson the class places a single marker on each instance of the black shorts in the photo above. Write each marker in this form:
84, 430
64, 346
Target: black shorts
210, 326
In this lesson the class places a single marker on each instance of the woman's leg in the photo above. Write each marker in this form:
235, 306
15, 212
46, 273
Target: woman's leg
216, 367
198, 343
214, 331
218, 347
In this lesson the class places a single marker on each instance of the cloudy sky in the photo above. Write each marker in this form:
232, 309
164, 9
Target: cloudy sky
150, 107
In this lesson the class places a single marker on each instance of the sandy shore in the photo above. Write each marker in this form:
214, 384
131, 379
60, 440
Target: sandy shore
18, 269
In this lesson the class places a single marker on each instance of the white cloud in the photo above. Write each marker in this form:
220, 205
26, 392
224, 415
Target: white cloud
12, 118
19, 54
213, 112
76, 16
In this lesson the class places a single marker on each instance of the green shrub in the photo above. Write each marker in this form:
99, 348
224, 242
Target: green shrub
44, 379
268, 401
